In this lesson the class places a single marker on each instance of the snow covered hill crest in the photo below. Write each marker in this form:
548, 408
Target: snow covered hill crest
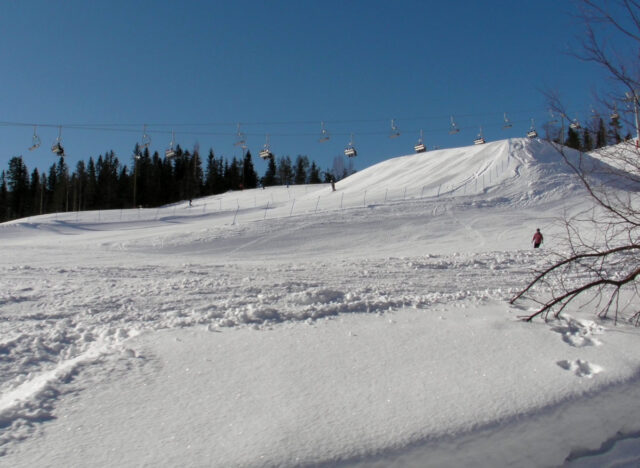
516, 170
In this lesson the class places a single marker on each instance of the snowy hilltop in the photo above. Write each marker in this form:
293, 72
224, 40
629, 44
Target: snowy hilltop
301, 326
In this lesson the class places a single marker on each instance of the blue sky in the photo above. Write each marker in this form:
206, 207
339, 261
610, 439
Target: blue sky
280, 67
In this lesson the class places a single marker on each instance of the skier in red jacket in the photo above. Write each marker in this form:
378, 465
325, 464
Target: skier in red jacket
537, 239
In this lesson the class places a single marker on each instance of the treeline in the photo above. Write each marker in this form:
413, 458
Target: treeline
151, 181
588, 139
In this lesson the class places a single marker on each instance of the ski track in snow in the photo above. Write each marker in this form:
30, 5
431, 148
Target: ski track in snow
57, 325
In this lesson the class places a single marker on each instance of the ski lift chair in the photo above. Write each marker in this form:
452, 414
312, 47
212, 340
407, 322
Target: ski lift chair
350, 150
420, 146
57, 146
266, 154
395, 133
532, 131
58, 149
324, 135
170, 152
454, 129
507, 122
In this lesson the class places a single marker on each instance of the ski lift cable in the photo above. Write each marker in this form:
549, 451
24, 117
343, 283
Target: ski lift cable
136, 126
158, 129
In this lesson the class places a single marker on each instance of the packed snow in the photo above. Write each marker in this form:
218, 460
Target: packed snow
298, 326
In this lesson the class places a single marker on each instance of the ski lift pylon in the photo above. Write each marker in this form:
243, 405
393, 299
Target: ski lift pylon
57, 145
350, 150
420, 146
35, 140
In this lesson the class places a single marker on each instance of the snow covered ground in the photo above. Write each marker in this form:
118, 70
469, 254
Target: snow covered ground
303, 327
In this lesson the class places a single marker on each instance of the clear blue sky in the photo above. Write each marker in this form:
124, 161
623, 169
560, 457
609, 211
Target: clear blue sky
280, 67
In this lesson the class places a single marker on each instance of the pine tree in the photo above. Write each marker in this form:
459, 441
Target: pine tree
573, 140
601, 135
92, 185
4, 198
36, 193
232, 175
587, 142
249, 176
285, 170
270, 175
302, 166
211, 174
314, 174
614, 131
79, 184
18, 181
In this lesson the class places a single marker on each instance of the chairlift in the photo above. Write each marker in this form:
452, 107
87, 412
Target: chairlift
146, 139
480, 139
453, 128
420, 146
57, 146
614, 115
395, 133
170, 152
350, 150
35, 140
324, 135
266, 153
532, 131
507, 122
575, 124
241, 138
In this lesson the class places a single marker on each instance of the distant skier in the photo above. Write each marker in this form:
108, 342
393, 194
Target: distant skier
537, 239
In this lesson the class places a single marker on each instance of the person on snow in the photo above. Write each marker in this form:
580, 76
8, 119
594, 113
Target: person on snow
537, 239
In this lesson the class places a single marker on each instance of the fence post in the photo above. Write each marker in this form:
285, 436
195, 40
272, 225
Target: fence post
341, 198
365, 198
265, 210
385, 194
235, 215
316, 210
438, 194
292, 204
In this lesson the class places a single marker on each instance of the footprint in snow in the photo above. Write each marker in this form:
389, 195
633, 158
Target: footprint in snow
578, 333
580, 368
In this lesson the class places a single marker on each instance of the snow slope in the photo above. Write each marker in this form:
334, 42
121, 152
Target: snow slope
304, 327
